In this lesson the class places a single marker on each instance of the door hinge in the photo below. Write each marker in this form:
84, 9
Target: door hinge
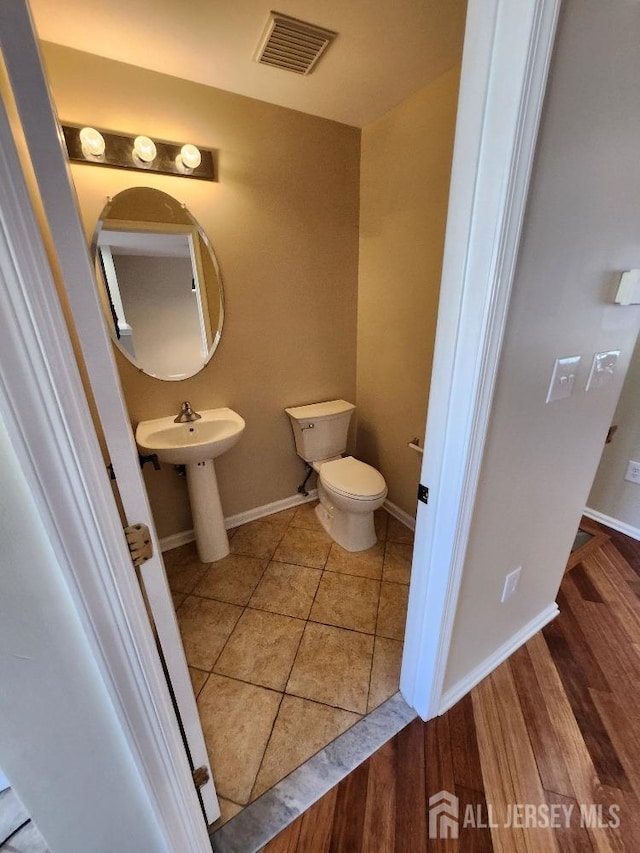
423, 494
139, 542
200, 776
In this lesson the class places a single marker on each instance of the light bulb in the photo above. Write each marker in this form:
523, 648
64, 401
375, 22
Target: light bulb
190, 156
92, 142
145, 149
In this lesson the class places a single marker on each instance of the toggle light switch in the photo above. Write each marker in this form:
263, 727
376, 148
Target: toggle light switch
563, 378
602, 369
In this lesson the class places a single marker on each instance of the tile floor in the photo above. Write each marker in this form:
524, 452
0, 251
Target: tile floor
290, 640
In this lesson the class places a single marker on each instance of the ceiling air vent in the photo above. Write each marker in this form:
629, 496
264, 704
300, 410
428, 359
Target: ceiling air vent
292, 44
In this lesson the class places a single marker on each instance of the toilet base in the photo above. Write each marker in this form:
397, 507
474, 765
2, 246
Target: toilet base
352, 531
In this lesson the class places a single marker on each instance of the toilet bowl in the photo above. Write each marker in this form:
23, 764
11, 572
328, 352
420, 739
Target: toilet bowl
349, 490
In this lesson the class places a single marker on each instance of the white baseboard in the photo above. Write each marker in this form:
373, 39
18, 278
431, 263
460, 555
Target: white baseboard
620, 526
167, 543
462, 687
185, 536
269, 509
400, 514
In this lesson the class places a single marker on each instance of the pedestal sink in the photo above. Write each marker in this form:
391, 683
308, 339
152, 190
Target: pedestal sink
196, 444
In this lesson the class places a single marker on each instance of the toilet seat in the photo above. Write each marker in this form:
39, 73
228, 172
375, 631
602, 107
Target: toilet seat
351, 478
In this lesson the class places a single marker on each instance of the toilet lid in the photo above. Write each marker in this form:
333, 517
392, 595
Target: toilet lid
352, 478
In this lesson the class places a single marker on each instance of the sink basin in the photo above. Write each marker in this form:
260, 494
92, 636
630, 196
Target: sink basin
181, 444
196, 445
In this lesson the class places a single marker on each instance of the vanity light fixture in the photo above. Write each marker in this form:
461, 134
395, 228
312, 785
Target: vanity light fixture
103, 148
92, 142
144, 149
189, 157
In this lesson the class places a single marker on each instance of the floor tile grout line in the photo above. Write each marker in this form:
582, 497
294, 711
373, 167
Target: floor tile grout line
266, 746
244, 607
295, 657
326, 704
373, 654
263, 560
248, 683
320, 749
279, 708
217, 658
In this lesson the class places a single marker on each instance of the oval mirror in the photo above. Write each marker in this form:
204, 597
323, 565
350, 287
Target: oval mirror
160, 283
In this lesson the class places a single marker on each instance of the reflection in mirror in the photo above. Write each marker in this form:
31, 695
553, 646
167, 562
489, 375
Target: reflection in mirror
161, 287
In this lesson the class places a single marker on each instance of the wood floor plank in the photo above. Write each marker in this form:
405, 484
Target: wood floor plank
622, 838
565, 638
467, 769
438, 756
550, 759
380, 812
618, 562
628, 549
585, 585
604, 570
286, 841
439, 769
571, 835
579, 764
610, 642
474, 837
595, 735
348, 823
411, 801
317, 825
624, 733
526, 781
499, 788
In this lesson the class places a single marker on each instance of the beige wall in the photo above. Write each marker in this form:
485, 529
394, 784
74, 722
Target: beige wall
283, 221
404, 188
580, 231
611, 494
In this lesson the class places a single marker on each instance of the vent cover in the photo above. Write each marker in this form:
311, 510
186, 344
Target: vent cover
292, 44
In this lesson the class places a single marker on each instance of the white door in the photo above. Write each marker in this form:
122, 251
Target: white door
40, 127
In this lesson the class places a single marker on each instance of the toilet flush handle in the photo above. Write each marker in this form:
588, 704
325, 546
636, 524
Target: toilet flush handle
308, 426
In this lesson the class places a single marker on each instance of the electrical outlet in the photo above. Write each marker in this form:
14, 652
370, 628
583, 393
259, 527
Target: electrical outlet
511, 582
633, 472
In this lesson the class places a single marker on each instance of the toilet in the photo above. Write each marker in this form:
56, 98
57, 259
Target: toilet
349, 490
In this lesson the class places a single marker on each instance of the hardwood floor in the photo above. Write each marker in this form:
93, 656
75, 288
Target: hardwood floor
557, 727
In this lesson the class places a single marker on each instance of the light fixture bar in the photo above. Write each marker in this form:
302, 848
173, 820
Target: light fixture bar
123, 152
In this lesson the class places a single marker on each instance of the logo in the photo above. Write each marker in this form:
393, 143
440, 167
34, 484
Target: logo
445, 818
444, 809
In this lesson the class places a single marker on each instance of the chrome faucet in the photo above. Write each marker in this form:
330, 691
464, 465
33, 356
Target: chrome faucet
187, 415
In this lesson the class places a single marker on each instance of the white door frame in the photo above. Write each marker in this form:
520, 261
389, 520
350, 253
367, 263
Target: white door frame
43, 405
55, 186
507, 51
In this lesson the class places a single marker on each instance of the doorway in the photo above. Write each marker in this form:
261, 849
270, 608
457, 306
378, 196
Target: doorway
418, 611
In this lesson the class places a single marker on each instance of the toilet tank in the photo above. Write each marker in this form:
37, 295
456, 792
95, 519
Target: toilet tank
320, 430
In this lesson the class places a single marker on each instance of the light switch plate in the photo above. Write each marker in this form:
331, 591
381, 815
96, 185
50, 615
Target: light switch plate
633, 472
603, 367
563, 378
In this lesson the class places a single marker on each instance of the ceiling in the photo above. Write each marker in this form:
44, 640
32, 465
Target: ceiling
385, 51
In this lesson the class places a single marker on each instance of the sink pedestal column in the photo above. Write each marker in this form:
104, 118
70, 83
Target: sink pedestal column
208, 521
